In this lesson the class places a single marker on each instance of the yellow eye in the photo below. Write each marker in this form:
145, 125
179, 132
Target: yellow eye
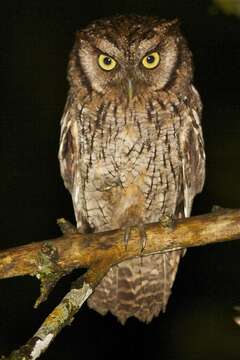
106, 62
151, 60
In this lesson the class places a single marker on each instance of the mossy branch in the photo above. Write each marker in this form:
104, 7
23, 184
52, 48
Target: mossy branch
50, 260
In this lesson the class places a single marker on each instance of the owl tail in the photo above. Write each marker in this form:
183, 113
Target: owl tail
138, 287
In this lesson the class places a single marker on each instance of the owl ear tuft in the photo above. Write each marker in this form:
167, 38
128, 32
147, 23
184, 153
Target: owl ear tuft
168, 25
174, 22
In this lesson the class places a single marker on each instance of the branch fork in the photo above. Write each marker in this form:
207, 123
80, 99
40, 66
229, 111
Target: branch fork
50, 260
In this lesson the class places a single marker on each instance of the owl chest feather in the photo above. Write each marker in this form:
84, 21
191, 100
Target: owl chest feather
131, 170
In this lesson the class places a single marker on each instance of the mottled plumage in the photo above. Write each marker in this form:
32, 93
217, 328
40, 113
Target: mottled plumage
131, 148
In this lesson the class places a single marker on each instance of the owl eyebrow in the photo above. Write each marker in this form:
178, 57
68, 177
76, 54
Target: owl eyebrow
154, 48
146, 46
108, 48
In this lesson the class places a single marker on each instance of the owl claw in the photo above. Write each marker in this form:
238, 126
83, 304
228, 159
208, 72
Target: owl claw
142, 233
66, 227
127, 235
168, 221
143, 236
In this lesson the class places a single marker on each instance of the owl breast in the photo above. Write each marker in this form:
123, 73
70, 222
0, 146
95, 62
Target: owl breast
131, 166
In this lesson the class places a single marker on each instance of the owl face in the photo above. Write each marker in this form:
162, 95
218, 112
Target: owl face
128, 57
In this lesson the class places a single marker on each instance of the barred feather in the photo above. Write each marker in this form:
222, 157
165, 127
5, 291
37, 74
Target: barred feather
128, 162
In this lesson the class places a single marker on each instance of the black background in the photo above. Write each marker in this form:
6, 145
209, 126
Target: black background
36, 39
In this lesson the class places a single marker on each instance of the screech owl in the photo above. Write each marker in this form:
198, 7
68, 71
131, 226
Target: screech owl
131, 147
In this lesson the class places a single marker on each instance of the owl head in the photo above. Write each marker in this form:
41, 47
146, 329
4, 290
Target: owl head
130, 56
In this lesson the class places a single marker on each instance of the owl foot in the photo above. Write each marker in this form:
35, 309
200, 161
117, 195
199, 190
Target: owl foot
66, 227
143, 236
168, 221
142, 233
127, 235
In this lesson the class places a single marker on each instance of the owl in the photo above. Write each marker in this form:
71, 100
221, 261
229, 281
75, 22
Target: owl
131, 148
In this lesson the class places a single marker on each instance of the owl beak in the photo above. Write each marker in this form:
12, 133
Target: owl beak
130, 90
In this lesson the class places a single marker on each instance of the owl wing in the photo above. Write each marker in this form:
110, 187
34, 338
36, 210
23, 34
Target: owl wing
193, 155
193, 175
70, 164
68, 147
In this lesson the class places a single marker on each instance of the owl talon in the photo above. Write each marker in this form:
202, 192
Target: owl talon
127, 235
168, 221
66, 227
143, 236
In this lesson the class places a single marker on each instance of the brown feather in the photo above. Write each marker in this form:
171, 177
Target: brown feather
129, 161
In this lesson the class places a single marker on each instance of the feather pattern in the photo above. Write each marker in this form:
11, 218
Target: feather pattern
127, 163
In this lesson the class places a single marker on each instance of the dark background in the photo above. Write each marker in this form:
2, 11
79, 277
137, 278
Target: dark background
36, 40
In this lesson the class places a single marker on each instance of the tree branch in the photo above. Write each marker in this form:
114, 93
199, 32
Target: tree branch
75, 250
50, 260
